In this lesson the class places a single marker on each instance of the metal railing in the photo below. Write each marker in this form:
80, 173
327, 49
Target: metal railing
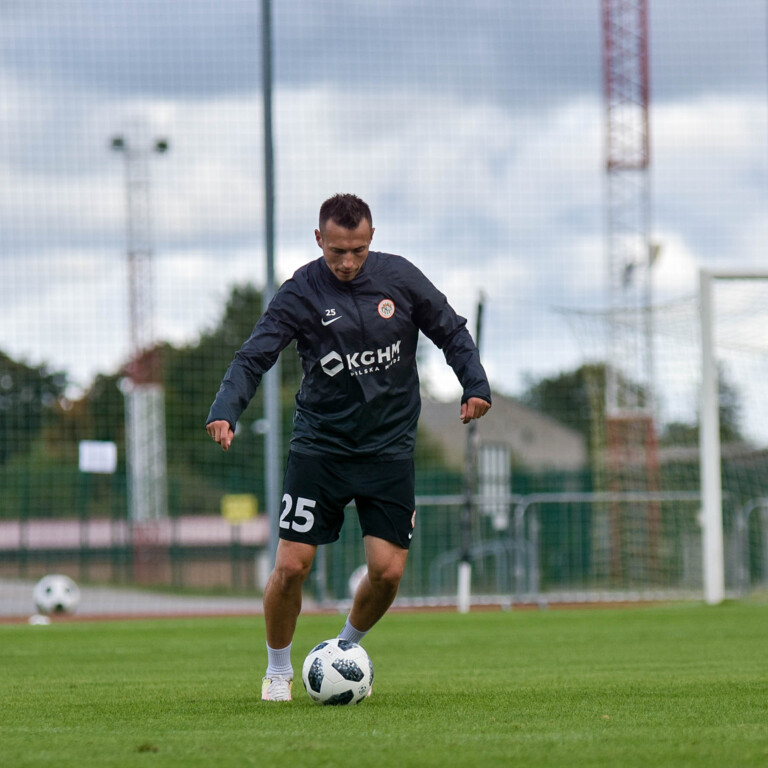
535, 548
548, 547
753, 560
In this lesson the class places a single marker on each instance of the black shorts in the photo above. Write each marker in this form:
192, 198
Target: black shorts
317, 488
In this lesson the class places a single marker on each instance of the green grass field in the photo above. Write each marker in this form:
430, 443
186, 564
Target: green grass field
682, 685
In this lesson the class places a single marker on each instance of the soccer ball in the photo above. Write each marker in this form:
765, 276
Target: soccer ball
337, 672
56, 593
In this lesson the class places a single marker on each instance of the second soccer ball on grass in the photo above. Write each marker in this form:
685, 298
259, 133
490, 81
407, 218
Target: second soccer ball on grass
56, 594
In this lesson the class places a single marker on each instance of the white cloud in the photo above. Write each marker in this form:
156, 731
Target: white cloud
676, 271
710, 173
500, 196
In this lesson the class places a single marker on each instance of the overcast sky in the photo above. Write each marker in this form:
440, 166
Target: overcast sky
474, 129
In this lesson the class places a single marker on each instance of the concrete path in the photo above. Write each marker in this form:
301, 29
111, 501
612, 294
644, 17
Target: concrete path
112, 602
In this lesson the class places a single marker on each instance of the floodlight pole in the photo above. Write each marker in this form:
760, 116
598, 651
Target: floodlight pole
272, 379
143, 386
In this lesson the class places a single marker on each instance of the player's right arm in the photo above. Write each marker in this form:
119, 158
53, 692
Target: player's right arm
272, 333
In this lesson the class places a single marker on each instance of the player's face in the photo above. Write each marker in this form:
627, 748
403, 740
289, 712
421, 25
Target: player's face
344, 250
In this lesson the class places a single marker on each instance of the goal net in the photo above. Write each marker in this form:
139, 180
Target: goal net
687, 469
734, 429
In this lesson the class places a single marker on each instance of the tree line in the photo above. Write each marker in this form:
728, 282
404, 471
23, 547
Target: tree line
40, 427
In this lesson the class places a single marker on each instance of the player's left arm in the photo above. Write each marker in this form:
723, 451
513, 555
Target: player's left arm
474, 408
436, 318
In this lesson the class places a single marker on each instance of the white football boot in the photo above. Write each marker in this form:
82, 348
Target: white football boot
276, 688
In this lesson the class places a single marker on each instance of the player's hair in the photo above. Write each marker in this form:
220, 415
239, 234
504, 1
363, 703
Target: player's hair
346, 210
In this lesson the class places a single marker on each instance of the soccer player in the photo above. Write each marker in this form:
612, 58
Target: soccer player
355, 315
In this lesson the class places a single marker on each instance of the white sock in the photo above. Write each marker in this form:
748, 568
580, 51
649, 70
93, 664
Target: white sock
352, 634
279, 661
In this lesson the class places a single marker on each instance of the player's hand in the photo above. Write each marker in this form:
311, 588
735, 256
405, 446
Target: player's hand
221, 432
474, 408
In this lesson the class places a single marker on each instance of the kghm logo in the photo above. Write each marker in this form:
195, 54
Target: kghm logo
361, 363
332, 364
386, 308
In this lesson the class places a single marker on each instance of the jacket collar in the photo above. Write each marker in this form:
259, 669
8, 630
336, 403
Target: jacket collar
360, 278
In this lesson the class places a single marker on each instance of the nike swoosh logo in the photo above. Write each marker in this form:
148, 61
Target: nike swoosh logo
332, 320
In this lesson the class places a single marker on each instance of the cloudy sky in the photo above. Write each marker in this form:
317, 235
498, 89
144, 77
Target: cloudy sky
474, 128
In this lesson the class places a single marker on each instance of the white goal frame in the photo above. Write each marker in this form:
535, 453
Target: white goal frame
709, 436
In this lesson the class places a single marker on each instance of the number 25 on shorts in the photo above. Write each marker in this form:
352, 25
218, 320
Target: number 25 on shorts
303, 519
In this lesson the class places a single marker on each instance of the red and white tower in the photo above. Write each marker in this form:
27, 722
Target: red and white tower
631, 458
627, 162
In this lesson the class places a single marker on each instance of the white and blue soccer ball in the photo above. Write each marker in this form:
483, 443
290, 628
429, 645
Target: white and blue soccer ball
337, 672
56, 593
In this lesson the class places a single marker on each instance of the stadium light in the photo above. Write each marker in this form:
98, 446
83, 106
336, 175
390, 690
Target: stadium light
143, 388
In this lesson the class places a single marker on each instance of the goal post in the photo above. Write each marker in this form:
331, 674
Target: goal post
709, 434
705, 432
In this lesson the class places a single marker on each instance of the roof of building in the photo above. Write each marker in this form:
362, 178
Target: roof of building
535, 440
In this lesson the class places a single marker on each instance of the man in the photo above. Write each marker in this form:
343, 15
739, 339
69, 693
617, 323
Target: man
355, 315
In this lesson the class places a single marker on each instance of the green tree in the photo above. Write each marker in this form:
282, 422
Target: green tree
729, 408
577, 399
192, 376
29, 397
574, 398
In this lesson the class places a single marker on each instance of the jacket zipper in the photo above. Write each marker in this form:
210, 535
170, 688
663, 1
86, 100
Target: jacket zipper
363, 333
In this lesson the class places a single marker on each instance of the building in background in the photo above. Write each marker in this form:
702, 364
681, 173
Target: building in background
536, 442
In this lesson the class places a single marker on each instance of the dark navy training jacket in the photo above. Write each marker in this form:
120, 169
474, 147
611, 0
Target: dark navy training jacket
359, 395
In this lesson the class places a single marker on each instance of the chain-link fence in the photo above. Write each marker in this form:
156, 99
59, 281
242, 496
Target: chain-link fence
133, 265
